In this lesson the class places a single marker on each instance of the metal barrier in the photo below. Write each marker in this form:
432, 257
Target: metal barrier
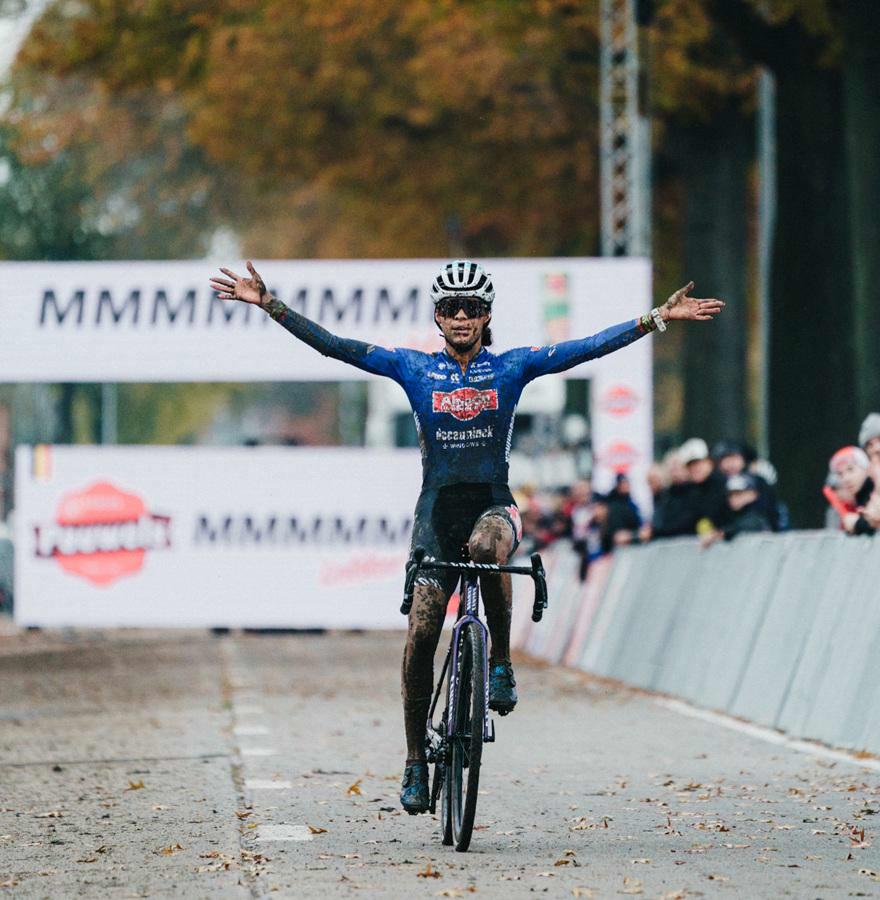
782, 630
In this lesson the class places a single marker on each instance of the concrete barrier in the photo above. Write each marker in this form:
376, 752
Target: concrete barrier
782, 630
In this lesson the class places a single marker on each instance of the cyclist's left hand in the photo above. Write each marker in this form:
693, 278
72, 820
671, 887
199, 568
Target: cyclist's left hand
680, 306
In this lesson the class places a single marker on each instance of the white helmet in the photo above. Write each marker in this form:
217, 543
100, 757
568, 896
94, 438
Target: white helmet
463, 278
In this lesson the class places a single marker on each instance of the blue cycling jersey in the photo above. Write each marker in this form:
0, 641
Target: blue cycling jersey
464, 417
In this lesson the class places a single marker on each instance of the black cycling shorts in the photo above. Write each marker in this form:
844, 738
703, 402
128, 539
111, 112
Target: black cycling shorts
446, 516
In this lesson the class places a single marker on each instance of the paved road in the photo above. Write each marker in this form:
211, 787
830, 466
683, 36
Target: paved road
192, 766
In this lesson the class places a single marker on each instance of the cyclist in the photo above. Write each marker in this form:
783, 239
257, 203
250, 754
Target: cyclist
463, 399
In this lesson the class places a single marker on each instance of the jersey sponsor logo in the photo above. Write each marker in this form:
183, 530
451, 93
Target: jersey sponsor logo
476, 379
619, 400
464, 434
439, 376
102, 534
465, 403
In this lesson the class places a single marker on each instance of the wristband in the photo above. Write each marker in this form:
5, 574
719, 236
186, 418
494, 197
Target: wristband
275, 309
658, 319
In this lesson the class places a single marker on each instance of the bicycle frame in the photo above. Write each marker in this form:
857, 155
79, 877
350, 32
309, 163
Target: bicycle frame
469, 592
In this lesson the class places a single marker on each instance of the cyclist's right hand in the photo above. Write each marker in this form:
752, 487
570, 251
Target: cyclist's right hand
249, 290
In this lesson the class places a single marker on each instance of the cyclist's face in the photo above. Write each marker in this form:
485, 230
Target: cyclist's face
462, 321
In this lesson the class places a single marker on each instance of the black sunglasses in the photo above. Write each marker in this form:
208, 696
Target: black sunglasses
473, 307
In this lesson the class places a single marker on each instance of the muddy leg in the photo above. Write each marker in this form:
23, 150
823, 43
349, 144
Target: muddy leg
417, 676
492, 541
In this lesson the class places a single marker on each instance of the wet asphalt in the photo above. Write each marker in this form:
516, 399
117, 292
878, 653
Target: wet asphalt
188, 765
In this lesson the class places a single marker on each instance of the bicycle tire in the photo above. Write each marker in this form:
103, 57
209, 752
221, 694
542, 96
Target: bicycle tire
466, 746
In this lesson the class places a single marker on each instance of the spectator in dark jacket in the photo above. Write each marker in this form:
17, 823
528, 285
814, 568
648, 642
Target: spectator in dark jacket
743, 501
708, 497
732, 458
624, 521
673, 510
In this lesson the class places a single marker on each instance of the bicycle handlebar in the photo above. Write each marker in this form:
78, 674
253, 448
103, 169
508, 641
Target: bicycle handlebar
417, 562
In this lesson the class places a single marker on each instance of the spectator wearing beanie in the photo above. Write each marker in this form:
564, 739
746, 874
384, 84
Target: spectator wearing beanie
732, 458
744, 502
849, 468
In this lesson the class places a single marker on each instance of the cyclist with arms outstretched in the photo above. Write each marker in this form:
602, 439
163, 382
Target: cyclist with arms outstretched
463, 399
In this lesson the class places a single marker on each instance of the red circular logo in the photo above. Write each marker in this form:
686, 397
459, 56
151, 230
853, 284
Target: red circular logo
619, 400
102, 533
619, 456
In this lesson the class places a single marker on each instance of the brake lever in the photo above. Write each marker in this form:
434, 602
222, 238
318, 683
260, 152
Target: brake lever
409, 584
540, 579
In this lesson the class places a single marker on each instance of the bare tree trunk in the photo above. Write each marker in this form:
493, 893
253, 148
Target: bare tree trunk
812, 368
862, 92
715, 162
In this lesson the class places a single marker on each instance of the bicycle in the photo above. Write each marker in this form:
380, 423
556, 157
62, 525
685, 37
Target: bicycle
455, 744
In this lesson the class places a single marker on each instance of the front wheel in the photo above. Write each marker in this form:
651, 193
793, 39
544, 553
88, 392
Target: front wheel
467, 711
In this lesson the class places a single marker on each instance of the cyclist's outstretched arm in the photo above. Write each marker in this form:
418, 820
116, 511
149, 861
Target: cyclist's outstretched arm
368, 357
562, 356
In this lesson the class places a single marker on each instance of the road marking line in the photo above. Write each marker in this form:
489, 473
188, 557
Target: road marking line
258, 751
766, 734
283, 833
265, 784
246, 730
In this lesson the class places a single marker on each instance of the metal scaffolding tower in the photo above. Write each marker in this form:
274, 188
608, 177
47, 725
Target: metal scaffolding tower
624, 136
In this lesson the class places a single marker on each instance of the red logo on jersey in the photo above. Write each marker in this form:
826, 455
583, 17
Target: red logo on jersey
465, 403
102, 533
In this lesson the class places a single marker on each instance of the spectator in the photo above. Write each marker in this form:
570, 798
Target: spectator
732, 458
869, 439
624, 519
849, 467
673, 510
743, 501
585, 529
709, 495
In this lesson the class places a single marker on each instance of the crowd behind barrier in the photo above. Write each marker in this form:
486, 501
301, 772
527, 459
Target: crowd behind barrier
715, 495
778, 629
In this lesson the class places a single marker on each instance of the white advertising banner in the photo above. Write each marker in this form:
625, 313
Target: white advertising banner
193, 536
159, 321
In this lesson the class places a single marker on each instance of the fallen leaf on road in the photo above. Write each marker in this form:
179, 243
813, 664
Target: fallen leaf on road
54, 814
313, 829
245, 814
427, 872
355, 788
718, 878
10, 882
134, 786
545, 875
450, 892
171, 848
583, 892
632, 886
637, 862
90, 859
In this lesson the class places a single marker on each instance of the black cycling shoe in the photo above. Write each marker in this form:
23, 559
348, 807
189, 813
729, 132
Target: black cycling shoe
502, 688
414, 789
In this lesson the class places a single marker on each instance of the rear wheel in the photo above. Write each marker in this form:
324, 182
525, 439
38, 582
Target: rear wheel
467, 712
